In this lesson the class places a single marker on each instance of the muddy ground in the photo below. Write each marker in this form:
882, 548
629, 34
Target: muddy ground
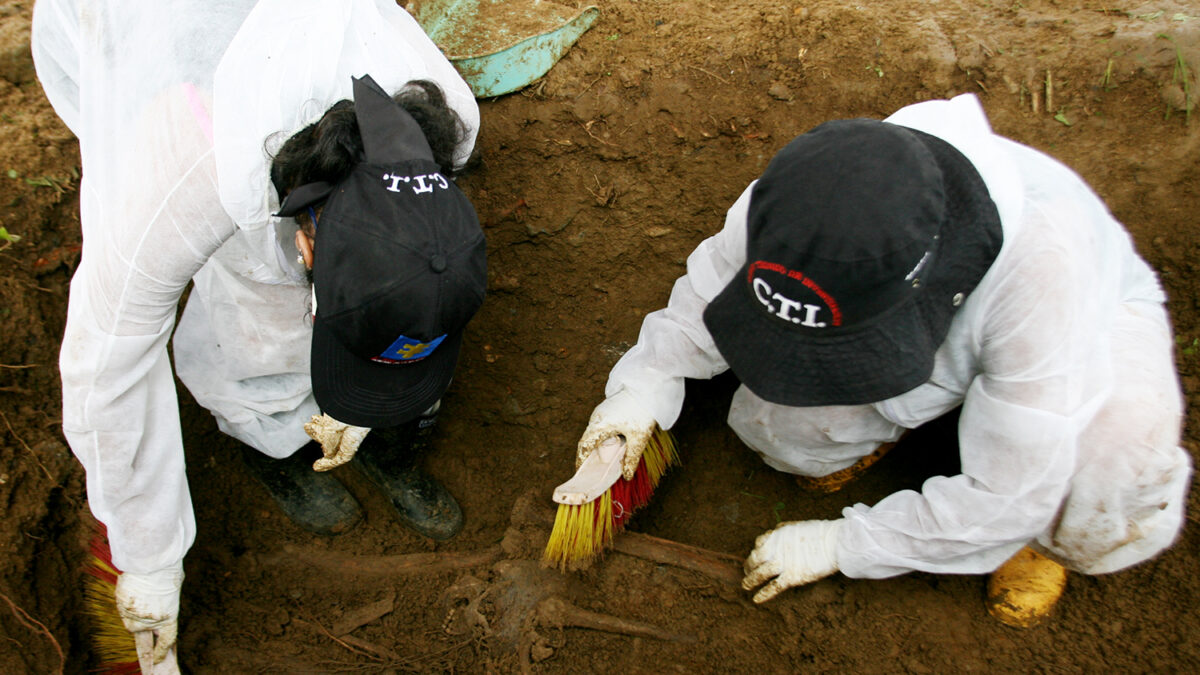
595, 184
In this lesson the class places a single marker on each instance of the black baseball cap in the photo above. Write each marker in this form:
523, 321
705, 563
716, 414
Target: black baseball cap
863, 239
400, 268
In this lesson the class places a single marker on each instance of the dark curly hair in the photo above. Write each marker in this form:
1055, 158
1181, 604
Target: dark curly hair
328, 149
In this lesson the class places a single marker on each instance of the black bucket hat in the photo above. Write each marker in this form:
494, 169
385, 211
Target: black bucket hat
863, 239
400, 269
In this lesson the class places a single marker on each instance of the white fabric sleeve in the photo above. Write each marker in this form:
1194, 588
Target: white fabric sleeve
145, 235
54, 43
673, 343
1017, 432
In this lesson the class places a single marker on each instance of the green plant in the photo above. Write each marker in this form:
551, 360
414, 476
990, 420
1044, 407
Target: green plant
1062, 118
8, 239
779, 506
1181, 74
59, 185
1187, 348
1106, 80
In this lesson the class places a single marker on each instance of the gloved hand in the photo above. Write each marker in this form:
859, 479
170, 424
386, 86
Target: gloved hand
618, 415
792, 554
338, 441
149, 608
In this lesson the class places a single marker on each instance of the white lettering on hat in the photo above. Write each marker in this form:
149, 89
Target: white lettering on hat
764, 293
392, 182
787, 308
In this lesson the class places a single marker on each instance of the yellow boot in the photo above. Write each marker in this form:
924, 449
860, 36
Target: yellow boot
1023, 591
837, 480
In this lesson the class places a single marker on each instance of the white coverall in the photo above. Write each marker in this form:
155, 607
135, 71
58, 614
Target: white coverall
177, 106
1061, 360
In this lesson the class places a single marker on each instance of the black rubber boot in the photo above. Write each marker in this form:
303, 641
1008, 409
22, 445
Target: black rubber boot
391, 459
314, 500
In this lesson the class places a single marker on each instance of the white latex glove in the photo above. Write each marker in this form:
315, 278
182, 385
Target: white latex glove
149, 608
792, 554
339, 441
618, 415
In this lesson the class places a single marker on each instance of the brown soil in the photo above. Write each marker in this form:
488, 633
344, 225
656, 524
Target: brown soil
596, 182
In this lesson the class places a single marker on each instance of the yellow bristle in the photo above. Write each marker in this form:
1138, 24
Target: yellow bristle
602, 525
111, 642
556, 545
570, 538
580, 532
660, 454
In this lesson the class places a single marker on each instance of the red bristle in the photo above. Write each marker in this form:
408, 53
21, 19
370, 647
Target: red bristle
100, 548
621, 500
630, 495
101, 574
102, 567
641, 488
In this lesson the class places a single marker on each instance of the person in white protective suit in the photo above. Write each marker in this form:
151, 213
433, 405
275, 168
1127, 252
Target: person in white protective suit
882, 273
244, 147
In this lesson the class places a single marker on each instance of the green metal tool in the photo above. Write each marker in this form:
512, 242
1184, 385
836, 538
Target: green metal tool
500, 46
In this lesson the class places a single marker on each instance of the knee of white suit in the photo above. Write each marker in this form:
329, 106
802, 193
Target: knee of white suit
813, 441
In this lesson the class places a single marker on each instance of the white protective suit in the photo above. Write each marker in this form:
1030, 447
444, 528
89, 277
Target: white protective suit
177, 106
1061, 360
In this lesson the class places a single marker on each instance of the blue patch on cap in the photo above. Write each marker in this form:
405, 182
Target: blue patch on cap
407, 350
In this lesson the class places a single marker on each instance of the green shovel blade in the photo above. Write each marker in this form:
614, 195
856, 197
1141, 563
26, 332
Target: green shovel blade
500, 46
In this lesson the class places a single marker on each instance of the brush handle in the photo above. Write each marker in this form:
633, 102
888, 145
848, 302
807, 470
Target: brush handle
597, 474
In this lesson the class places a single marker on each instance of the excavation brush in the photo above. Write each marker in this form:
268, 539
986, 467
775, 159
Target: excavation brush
597, 502
112, 643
